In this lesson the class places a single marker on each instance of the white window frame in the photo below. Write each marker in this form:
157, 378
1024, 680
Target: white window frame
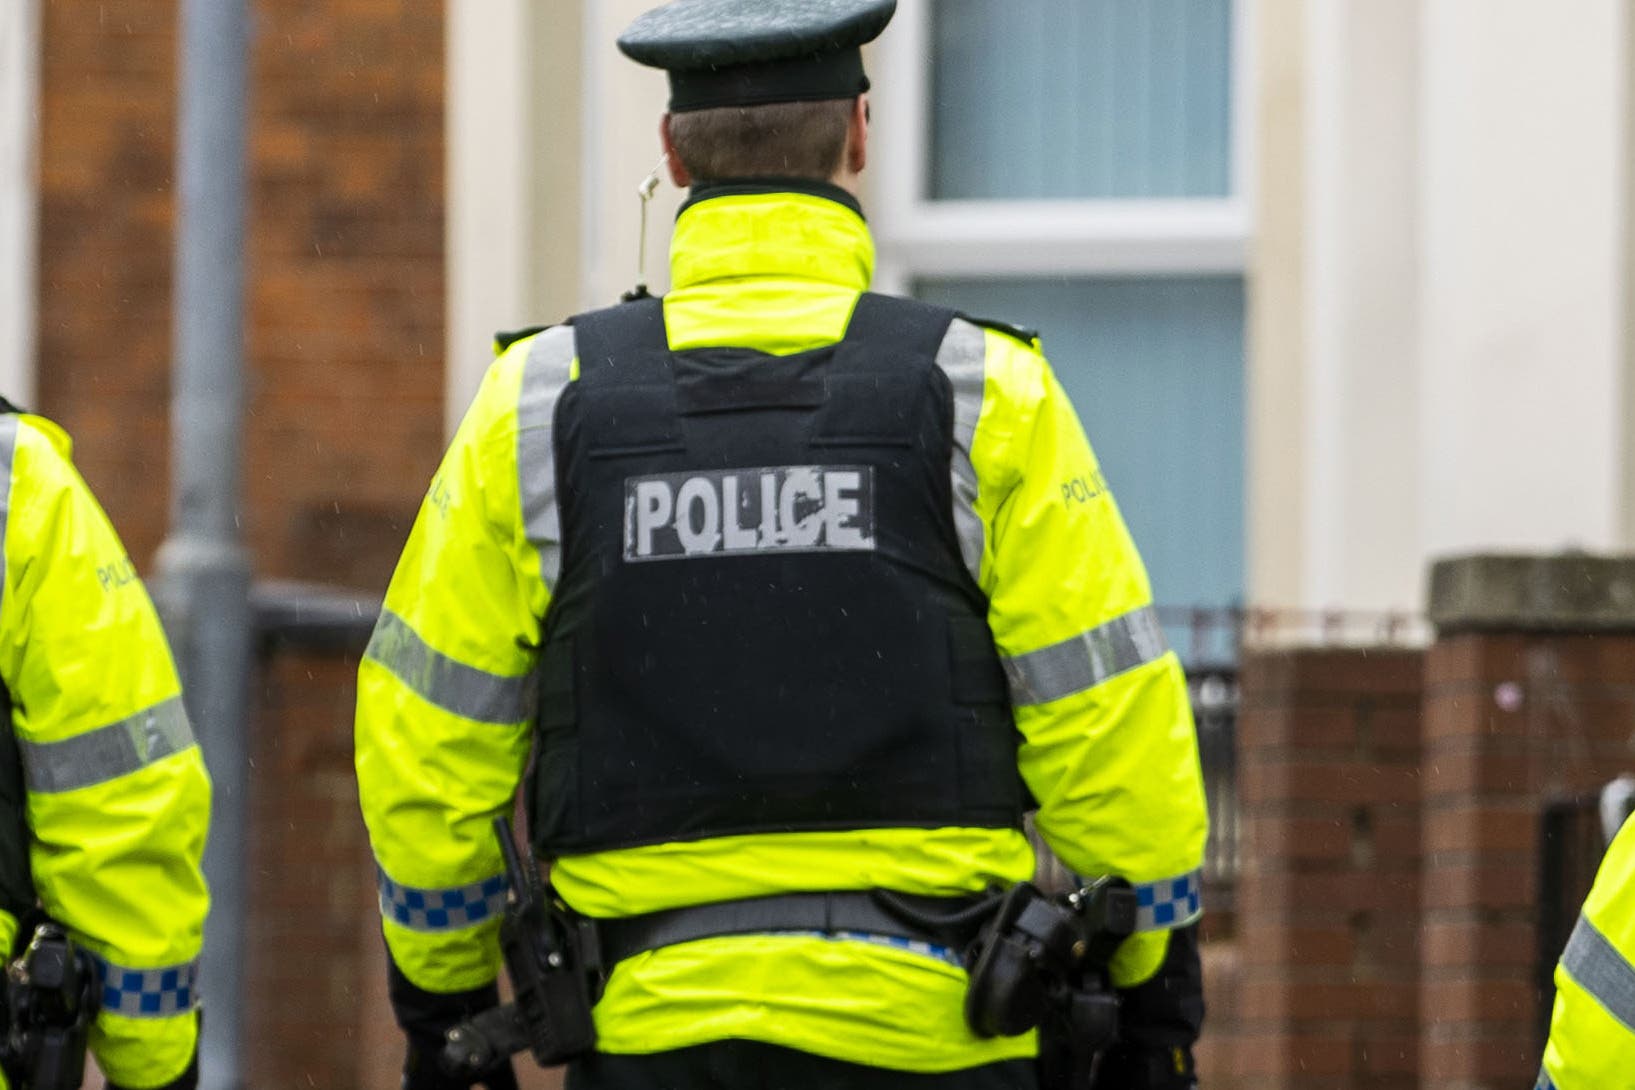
918, 236
19, 195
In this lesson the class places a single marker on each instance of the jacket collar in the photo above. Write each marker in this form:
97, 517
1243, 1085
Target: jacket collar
771, 227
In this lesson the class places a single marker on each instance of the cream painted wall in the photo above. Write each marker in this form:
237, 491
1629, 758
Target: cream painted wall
514, 169
19, 194
1525, 193
1275, 333
550, 132
1361, 501
623, 102
1437, 355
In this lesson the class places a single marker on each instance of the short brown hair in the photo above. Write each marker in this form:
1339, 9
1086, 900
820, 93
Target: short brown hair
785, 139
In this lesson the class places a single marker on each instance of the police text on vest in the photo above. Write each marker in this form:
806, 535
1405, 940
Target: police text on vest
747, 511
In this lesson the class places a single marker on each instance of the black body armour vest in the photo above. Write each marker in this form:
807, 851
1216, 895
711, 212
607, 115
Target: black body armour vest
763, 622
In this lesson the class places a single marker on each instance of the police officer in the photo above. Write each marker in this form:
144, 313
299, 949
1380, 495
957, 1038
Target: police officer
104, 800
1592, 1028
778, 588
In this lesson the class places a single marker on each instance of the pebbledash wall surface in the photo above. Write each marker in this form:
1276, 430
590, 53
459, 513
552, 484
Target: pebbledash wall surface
1384, 933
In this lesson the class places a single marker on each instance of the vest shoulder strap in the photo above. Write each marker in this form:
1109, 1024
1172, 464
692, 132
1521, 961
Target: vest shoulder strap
915, 328
619, 333
505, 339
1022, 333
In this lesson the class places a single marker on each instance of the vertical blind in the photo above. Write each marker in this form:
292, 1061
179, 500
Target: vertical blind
1081, 99
1155, 368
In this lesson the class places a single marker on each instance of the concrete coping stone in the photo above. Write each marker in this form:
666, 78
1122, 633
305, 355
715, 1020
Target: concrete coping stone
1569, 592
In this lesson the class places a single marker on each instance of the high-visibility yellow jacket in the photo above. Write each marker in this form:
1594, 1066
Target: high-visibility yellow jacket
116, 796
1592, 1028
445, 698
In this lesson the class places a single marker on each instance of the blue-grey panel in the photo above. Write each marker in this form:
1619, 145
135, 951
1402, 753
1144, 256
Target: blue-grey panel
1155, 368
1081, 99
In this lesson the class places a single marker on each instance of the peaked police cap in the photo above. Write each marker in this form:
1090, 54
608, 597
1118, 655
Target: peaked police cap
757, 52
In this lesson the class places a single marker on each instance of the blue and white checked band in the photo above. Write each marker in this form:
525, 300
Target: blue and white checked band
1544, 1081
912, 946
1171, 902
441, 909
148, 993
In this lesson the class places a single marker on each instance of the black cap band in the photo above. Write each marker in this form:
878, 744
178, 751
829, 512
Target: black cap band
805, 79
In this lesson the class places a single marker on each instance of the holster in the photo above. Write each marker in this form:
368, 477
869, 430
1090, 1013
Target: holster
51, 1000
1042, 963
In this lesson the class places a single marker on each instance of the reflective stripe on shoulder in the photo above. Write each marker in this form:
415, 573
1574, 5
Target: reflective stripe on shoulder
1172, 902
963, 357
109, 751
544, 376
463, 690
148, 993
441, 909
1602, 971
8, 453
1087, 659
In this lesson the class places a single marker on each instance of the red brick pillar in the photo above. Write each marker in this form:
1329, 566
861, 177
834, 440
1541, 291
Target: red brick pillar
1329, 746
1528, 697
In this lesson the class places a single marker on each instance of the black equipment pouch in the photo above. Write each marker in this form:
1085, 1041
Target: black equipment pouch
553, 961
1042, 963
52, 996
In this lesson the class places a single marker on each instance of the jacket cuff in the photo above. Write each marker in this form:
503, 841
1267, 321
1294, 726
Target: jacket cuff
1166, 1011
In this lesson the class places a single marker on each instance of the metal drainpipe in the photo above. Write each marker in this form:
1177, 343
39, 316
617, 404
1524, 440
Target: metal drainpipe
204, 570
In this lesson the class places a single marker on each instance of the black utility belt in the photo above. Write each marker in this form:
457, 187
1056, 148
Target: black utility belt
950, 922
1034, 961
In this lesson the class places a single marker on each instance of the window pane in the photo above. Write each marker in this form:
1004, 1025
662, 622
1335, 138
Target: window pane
1092, 98
1155, 368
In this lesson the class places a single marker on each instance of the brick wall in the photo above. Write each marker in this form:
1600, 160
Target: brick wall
1512, 720
107, 122
1328, 901
345, 310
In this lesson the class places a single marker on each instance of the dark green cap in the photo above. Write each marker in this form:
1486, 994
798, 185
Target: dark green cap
757, 52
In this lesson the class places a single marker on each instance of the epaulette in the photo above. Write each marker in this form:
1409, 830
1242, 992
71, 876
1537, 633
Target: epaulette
503, 340
1027, 336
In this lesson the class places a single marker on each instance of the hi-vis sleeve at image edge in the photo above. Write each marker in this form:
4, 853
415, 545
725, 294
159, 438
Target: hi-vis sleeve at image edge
118, 800
1109, 748
446, 697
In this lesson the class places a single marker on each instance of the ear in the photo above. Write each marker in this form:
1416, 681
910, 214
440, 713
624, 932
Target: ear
857, 139
678, 171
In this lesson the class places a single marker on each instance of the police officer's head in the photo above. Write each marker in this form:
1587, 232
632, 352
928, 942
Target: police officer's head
762, 88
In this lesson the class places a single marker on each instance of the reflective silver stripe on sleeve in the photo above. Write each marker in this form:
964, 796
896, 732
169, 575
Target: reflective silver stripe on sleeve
1605, 973
544, 377
8, 450
963, 358
108, 752
437, 679
147, 993
1087, 659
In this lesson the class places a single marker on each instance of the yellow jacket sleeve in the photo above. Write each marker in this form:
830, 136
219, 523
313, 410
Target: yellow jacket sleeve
446, 698
1592, 1027
1109, 749
117, 796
